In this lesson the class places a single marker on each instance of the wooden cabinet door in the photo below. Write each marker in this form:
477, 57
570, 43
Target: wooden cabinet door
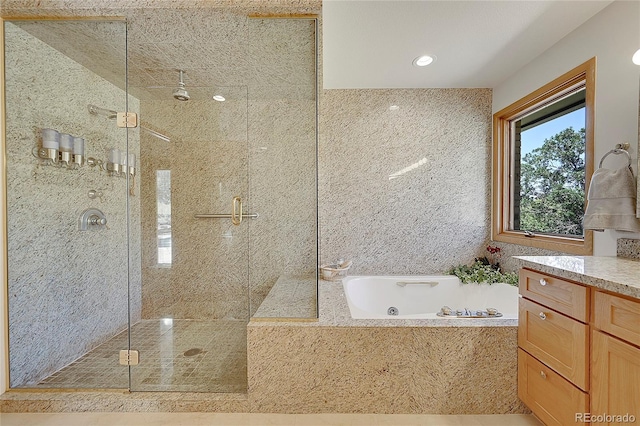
617, 316
615, 378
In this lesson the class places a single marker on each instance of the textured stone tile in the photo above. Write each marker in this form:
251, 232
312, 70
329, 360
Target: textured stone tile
290, 297
416, 163
359, 369
628, 247
262, 151
68, 289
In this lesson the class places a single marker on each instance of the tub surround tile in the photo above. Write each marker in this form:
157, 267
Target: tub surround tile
629, 248
340, 364
378, 165
290, 297
615, 274
363, 369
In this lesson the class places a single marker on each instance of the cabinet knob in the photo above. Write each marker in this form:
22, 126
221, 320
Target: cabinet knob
542, 316
543, 281
544, 376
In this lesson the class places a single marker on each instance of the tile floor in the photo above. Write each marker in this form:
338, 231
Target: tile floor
218, 419
175, 355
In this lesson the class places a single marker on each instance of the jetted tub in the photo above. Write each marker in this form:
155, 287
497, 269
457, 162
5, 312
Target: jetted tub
421, 297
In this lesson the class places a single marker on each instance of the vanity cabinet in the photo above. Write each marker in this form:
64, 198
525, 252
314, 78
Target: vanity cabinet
553, 347
615, 356
578, 350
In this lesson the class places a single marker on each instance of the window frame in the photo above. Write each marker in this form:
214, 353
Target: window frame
503, 160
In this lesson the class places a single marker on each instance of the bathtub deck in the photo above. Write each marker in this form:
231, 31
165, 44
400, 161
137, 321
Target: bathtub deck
289, 298
343, 365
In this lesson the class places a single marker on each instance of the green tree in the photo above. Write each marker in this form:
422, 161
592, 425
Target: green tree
552, 182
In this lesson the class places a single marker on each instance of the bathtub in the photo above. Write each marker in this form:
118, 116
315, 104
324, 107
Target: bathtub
422, 297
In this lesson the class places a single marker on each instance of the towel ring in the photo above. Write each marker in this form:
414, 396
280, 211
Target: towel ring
616, 151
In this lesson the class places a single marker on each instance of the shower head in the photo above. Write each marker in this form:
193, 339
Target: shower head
181, 93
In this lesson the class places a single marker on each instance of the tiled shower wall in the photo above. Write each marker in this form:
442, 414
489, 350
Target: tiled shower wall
207, 275
260, 144
282, 154
404, 190
67, 288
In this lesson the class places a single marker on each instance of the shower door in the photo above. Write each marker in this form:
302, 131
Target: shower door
194, 219
66, 216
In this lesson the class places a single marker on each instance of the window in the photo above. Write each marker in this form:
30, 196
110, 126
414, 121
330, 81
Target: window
163, 204
542, 164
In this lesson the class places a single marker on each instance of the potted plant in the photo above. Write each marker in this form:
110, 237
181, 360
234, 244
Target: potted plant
485, 269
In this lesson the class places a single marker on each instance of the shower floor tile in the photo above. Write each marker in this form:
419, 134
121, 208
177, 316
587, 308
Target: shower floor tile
175, 355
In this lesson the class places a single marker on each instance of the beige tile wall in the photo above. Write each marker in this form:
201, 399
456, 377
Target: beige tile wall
260, 144
67, 288
436, 370
404, 191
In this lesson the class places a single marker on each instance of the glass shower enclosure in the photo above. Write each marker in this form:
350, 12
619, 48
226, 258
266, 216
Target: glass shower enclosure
137, 261
68, 275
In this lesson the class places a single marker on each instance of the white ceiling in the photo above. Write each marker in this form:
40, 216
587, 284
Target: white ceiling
371, 44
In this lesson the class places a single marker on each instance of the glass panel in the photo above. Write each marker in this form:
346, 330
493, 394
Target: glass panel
282, 150
201, 138
68, 275
192, 334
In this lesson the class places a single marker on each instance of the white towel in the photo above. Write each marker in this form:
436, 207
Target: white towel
612, 201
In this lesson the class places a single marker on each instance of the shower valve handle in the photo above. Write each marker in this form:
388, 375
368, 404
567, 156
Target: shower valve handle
97, 220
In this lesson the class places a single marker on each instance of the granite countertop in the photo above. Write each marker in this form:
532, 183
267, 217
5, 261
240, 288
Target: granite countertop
616, 274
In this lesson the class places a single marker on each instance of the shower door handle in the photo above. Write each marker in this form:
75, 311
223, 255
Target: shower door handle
236, 211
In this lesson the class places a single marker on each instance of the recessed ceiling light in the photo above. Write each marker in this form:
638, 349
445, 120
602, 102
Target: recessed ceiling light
636, 57
423, 61
219, 98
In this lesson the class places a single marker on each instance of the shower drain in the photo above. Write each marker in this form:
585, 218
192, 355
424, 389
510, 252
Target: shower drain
392, 311
193, 352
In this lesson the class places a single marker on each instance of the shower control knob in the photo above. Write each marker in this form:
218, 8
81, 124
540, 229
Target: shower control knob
97, 220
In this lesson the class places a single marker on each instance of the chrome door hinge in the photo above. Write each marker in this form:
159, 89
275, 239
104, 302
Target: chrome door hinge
129, 357
127, 119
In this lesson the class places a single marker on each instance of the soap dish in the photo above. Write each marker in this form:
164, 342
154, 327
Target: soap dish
334, 272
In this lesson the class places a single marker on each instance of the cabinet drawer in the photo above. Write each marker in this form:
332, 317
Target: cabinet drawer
618, 317
558, 341
553, 399
564, 296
